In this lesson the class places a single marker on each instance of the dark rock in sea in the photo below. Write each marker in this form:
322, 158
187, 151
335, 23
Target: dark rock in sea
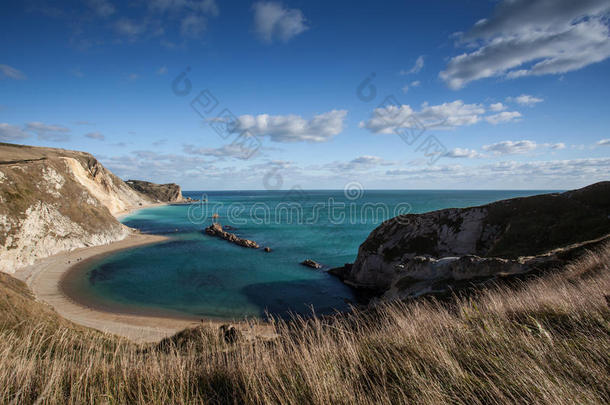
267, 249
216, 230
434, 252
312, 264
230, 333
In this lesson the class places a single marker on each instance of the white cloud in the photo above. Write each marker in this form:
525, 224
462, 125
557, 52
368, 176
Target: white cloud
525, 99
55, 133
511, 147
294, 128
504, 116
209, 7
367, 160
558, 146
533, 37
225, 151
103, 8
131, 29
545, 174
454, 114
462, 153
166, 5
193, 26
414, 83
272, 21
39, 127
360, 163
11, 73
387, 120
161, 168
11, 133
603, 142
95, 135
174, 6
417, 67
192, 16
497, 107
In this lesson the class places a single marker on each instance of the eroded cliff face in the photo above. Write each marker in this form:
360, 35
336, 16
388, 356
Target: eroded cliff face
53, 200
169, 193
416, 254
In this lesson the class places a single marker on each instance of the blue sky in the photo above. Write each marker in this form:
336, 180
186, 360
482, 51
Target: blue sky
489, 94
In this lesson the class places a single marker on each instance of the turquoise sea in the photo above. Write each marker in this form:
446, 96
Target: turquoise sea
197, 276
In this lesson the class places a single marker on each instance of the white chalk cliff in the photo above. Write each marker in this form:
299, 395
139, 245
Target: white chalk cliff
443, 250
54, 200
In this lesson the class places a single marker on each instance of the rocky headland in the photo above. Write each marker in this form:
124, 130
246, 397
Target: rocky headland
216, 230
56, 200
170, 193
438, 251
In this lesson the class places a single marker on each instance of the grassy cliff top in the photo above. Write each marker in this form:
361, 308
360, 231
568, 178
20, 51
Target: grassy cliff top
13, 153
524, 226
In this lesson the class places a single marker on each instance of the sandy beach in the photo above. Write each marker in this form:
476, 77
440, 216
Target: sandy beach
44, 278
46, 275
122, 214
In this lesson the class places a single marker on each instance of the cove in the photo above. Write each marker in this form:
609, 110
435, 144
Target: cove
193, 275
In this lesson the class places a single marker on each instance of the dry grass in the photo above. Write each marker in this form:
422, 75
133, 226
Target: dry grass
544, 341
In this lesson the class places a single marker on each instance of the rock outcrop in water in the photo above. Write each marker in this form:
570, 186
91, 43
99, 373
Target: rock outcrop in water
53, 200
170, 193
216, 230
311, 263
416, 254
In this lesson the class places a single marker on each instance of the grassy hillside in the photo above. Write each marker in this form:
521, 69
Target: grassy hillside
546, 340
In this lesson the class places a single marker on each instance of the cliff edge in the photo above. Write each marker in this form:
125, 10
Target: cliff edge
53, 200
416, 254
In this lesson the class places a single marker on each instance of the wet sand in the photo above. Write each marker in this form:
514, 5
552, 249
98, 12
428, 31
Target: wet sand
44, 279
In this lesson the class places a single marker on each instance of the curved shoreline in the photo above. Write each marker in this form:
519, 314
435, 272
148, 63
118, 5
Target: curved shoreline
44, 279
70, 285
46, 275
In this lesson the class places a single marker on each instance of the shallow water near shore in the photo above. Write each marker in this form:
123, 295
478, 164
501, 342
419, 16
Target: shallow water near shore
194, 275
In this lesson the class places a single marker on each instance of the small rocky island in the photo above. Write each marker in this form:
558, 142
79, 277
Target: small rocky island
311, 263
216, 230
